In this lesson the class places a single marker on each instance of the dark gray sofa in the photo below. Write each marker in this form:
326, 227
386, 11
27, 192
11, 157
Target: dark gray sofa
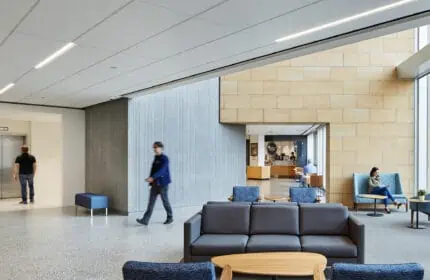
230, 228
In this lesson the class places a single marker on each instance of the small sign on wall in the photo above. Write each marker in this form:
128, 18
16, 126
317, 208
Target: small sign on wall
4, 128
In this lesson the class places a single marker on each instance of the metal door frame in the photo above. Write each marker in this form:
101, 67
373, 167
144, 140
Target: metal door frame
24, 136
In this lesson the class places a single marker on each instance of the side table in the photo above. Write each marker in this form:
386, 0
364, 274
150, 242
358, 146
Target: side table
374, 197
418, 202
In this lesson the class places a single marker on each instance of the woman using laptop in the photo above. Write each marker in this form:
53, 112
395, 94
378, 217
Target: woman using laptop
376, 187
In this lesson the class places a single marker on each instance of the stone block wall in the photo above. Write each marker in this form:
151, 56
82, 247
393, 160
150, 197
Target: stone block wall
352, 88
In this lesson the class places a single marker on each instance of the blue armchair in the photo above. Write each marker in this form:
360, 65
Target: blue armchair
361, 186
303, 195
133, 270
424, 208
410, 271
246, 194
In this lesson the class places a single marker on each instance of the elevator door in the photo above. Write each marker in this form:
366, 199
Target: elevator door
9, 150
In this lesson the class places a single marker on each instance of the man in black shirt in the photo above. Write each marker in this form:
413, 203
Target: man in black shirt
25, 166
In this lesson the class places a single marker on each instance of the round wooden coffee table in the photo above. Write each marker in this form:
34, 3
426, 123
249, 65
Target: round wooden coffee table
374, 197
273, 264
275, 198
418, 202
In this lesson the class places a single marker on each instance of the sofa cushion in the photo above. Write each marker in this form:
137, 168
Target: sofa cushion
274, 219
219, 244
226, 218
327, 218
273, 243
329, 246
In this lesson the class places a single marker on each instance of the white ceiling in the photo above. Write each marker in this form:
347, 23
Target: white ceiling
128, 45
280, 129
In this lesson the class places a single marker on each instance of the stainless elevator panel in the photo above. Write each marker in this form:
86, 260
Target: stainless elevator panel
10, 148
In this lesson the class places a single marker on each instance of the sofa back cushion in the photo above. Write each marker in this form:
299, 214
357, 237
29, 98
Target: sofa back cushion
226, 218
323, 219
246, 193
274, 219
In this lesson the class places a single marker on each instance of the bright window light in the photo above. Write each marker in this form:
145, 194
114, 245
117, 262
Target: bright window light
342, 21
55, 55
6, 88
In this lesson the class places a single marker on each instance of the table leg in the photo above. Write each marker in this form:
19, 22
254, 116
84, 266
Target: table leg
418, 215
417, 225
374, 214
374, 207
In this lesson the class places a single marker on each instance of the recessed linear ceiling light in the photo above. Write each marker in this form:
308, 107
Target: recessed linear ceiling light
343, 20
6, 88
55, 55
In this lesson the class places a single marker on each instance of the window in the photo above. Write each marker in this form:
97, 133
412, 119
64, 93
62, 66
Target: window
422, 119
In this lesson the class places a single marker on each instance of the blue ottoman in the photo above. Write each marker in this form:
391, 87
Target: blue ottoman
91, 201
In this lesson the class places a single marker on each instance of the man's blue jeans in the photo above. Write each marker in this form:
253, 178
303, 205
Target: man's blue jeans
24, 179
383, 191
155, 191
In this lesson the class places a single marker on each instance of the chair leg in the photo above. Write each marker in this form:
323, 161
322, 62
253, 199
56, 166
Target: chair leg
106, 211
412, 217
407, 207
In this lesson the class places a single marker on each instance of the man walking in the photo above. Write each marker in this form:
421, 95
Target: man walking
159, 181
25, 166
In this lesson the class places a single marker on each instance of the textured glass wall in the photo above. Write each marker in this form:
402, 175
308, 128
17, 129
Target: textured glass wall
207, 158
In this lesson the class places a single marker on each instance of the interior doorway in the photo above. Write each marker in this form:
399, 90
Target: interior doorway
10, 146
277, 156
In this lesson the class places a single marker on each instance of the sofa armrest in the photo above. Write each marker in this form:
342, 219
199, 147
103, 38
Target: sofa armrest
192, 230
356, 233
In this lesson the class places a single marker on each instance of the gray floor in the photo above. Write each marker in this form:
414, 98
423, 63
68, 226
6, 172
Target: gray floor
54, 244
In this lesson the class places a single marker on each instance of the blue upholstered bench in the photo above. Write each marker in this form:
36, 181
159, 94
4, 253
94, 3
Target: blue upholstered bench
91, 201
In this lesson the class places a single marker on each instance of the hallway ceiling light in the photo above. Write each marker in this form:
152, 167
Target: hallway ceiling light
6, 88
55, 55
343, 20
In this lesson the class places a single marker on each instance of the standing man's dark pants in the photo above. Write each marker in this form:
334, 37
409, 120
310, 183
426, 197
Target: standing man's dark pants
24, 179
155, 190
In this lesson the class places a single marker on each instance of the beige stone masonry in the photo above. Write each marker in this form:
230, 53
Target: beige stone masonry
352, 88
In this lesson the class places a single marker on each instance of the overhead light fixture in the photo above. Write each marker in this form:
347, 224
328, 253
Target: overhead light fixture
343, 20
6, 88
55, 55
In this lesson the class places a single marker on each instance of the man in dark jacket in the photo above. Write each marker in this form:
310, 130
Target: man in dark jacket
159, 181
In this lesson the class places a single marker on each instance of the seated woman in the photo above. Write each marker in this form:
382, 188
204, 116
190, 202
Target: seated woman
375, 187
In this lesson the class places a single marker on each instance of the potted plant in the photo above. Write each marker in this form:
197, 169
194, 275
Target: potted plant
421, 194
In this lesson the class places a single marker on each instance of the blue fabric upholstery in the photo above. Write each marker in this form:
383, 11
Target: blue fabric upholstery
424, 206
303, 195
391, 180
133, 270
246, 193
91, 200
410, 271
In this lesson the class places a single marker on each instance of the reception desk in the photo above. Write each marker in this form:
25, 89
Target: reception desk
258, 172
283, 171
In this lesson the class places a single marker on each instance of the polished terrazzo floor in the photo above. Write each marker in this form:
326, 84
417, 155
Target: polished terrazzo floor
55, 244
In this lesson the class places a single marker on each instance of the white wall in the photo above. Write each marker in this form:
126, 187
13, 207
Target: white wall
49, 155
58, 136
16, 127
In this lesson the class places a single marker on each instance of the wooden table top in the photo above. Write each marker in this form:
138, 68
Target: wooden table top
274, 264
373, 196
275, 197
416, 200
